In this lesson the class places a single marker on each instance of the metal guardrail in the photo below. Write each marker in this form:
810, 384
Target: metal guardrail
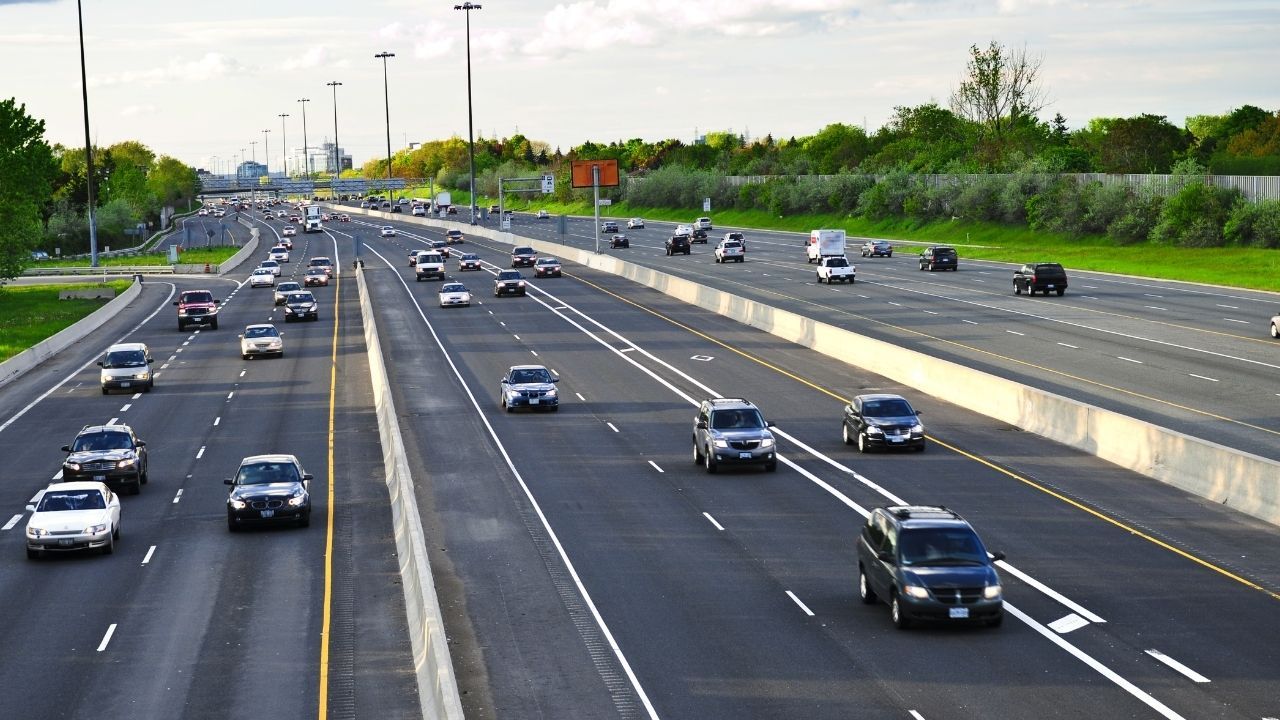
102, 270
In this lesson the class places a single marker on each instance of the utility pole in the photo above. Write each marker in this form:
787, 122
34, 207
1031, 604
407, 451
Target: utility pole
337, 151
386, 97
306, 156
284, 133
467, 7
88, 146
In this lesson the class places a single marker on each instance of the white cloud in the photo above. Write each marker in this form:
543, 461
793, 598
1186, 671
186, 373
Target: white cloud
661, 90
212, 65
315, 56
133, 110
432, 41
393, 31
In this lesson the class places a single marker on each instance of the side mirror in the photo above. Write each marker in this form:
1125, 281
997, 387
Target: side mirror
150, 360
883, 556
142, 443
66, 448
215, 302
702, 425
997, 556
919, 413
31, 508
503, 381
769, 424
175, 302
308, 476
240, 336
99, 363
555, 379
228, 481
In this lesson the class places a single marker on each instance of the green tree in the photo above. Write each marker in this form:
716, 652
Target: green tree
1143, 144
1001, 89
171, 182
27, 171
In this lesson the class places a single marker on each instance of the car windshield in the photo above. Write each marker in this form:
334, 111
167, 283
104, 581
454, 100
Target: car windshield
267, 472
197, 297
944, 251
736, 419
530, 375
320, 261
891, 407
125, 359
64, 500
509, 275
278, 249
102, 441
286, 287
470, 256
261, 332
941, 546
301, 297
453, 288
522, 251
548, 261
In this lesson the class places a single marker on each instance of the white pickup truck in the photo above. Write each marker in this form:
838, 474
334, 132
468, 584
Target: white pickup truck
429, 265
831, 269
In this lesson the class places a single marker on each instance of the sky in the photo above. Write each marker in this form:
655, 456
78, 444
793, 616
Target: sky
202, 81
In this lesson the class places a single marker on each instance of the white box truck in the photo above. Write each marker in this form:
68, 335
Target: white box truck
443, 201
311, 218
824, 243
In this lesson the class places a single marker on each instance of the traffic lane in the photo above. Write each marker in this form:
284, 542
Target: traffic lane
541, 443
517, 650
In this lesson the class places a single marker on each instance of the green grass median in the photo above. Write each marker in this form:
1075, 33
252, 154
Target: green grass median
189, 256
30, 314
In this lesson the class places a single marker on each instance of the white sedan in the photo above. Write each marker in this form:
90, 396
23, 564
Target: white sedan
452, 294
543, 214
73, 516
387, 231
271, 265
288, 231
263, 339
635, 224
280, 253
262, 277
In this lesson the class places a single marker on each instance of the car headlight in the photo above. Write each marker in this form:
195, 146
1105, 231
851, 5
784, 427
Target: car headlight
917, 429
237, 504
551, 392
142, 375
36, 532
873, 430
766, 443
96, 529
73, 467
127, 463
720, 443
916, 591
105, 376
991, 592
521, 283
298, 500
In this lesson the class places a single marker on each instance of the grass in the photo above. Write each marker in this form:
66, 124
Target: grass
1254, 268
190, 256
30, 314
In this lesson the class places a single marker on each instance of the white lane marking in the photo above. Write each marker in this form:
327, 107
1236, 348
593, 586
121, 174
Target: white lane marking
1087, 297
217, 420
702, 358
915, 715
1155, 307
57, 476
171, 358
231, 394
535, 353
627, 349
612, 426
1067, 623
864, 297
1242, 322
242, 372
1231, 307
705, 515
1067, 602
107, 638
655, 466
1203, 377
147, 558
177, 497
584, 399
1121, 357
968, 321
164, 366
125, 407
803, 607
112, 421
1014, 332
1192, 674
894, 303
1097, 666
931, 312
1151, 295
175, 352
1073, 347
515, 336
553, 371
978, 280
200, 452
12, 521
502, 323
189, 342
1091, 287
136, 396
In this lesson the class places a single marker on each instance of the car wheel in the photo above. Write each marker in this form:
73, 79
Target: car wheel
214, 324
305, 520
844, 434
819, 278
136, 486
697, 456
105, 392
1275, 332
116, 533
862, 443
150, 386
181, 326
920, 447
1017, 289
144, 478
1061, 292
708, 461
865, 593
232, 526
110, 547
900, 620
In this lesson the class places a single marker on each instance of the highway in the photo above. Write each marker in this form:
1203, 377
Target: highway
586, 567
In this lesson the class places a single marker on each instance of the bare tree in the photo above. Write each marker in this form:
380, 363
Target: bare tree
1001, 88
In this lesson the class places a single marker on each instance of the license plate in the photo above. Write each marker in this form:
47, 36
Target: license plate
895, 438
124, 384
99, 478
1050, 286
65, 541
534, 401
958, 613
271, 513
744, 456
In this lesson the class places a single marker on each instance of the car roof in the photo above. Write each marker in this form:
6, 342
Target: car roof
527, 367
879, 396
547, 260
125, 347
269, 458
118, 427
720, 403
258, 325
75, 485
911, 516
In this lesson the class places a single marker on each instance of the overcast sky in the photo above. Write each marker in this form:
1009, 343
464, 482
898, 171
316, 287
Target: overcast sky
197, 80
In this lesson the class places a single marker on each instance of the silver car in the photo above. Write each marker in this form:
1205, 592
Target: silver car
261, 339
126, 366
731, 431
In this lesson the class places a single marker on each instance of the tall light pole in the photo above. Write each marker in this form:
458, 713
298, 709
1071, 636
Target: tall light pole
471, 143
253, 146
266, 153
337, 152
284, 133
217, 170
306, 156
88, 146
386, 97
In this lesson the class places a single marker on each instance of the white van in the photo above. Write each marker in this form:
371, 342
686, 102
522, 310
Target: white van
127, 366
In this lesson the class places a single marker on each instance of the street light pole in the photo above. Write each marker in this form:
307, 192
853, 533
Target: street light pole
266, 154
386, 97
88, 146
337, 152
306, 156
471, 143
284, 133
253, 146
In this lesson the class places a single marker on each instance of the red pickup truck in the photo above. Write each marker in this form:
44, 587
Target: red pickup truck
197, 307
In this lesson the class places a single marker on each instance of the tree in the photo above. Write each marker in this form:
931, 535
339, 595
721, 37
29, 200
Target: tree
1001, 88
1143, 144
172, 182
27, 170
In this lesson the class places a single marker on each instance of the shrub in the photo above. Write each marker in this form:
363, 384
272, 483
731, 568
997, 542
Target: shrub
1104, 205
978, 198
886, 198
1138, 219
1256, 224
1195, 215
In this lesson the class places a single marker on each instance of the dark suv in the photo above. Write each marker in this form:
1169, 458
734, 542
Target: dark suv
939, 257
109, 454
1040, 277
678, 244
882, 421
927, 563
523, 257
197, 307
508, 281
731, 431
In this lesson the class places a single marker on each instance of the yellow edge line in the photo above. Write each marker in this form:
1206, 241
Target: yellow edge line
323, 711
1027, 481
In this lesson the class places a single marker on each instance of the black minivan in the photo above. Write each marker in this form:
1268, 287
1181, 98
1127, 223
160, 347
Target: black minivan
939, 257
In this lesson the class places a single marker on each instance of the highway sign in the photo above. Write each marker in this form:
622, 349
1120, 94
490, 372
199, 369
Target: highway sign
348, 186
582, 175
548, 184
606, 201
706, 204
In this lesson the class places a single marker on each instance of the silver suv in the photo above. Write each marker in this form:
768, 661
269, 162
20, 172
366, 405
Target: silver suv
731, 431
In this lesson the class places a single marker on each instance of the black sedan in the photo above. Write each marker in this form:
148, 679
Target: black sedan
269, 489
882, 421
619, 241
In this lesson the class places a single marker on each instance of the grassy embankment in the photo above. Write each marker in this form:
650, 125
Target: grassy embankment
190, 256
32, 313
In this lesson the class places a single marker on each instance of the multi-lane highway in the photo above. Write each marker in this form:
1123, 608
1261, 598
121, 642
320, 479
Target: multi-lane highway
586, 567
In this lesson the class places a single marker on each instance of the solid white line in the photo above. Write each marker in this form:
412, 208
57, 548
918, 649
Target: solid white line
1203, 377
1073, 347
147, 558
1015, 332
200, 452
803, 607
1195, 676
12, 521
107, 638
126, 407
612, 426
217, 420
580, 397
1073, 606
705, 515
1121, 357
655, 466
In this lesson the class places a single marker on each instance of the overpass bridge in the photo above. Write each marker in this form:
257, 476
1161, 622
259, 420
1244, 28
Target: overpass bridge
221, 185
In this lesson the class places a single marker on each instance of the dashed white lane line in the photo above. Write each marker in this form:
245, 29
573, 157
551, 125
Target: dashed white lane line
1229, 307
200, 452
1073, 347
535, 353
915, 715
894, 303
500, 322
713, 521
175, 352
515, 336
126, 407
107, 638
231, 394
171, 358
112, 421
1155, 307
612, 426
1192, 674
57, 476
803, 607
242, 372
136, 396
931, 312
12, 521
977, 280
655, 466
164, 366
177, 497
1154, 296
584, 399
217, 420
186, 343
1137, 362
968, 321
865, 297
1203, 377
1242, 322
147, 558
553, 370
1015, 332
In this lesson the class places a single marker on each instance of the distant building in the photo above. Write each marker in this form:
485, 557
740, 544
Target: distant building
250, 170
327, 150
